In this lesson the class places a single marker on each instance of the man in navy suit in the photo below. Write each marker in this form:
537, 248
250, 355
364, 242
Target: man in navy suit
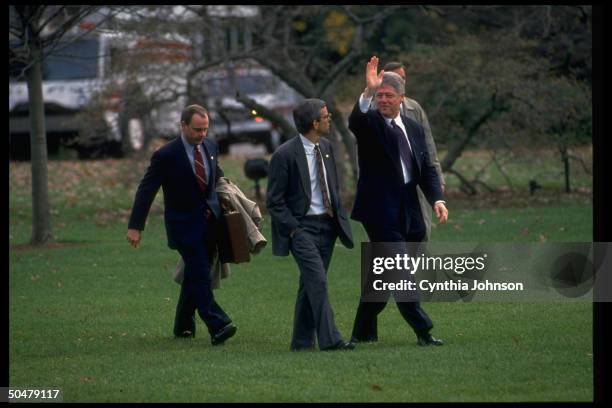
393, 160
187, 170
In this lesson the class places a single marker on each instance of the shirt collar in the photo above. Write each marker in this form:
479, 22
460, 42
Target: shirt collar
187, 145
307, 143
397, 120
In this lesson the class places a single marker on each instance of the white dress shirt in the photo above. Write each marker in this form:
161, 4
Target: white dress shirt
316, 202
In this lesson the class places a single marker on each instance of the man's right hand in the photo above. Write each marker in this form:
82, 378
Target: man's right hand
373, 78
133, 237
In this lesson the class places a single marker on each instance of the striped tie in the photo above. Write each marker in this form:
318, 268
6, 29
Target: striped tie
199, 167
322, 184
404, 149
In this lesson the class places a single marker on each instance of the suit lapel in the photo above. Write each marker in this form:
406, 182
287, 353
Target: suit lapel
184, 159
300, 159
416, 149
188, 169
330, 169
212, 162
390, 145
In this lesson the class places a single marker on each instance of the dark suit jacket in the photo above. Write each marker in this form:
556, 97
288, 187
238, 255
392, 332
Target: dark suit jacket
289, 192
381, 188
184, 203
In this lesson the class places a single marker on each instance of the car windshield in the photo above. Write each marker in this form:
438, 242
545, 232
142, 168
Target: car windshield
248, 85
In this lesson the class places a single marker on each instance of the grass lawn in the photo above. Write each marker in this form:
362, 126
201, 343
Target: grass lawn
94, 317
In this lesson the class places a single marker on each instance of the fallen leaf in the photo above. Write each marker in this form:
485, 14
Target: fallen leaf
525, 231
376, 387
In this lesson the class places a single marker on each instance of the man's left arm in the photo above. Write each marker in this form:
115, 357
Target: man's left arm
430, 184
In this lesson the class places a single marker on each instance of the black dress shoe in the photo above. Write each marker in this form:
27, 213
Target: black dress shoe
223, 334
185, 334
342, 346
428, 340
184, 327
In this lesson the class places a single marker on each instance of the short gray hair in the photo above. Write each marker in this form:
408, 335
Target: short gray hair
306, 113
395, 81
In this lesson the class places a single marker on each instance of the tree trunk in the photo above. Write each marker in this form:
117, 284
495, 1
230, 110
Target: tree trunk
566, 168
348, 140
455, 151
41, 222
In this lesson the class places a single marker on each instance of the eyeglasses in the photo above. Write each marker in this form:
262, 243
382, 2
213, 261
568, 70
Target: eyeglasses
328, 116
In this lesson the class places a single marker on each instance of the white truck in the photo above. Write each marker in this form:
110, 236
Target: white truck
108, 93
89, 106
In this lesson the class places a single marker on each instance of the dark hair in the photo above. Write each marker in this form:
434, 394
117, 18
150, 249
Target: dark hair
306, 113
191, 110
393, 65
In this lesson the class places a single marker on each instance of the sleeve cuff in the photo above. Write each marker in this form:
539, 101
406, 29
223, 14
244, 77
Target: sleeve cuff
364, 103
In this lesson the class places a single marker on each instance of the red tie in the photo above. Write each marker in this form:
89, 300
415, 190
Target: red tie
199, 167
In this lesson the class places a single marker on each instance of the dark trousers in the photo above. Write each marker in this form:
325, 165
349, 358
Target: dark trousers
196, 292
410, 229
312, 246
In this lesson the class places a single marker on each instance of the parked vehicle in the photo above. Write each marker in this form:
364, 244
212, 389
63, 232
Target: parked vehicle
90, 105
231, 121
102, 94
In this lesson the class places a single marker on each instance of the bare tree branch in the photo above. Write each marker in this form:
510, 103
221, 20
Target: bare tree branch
465, 184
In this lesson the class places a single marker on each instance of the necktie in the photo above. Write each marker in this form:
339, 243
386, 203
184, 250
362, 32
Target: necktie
321, 177
404, 148
199, 167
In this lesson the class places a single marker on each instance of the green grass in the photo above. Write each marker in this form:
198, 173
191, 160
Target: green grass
521, 166
94, 316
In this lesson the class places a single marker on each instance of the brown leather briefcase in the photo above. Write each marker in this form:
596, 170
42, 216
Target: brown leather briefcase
233, 240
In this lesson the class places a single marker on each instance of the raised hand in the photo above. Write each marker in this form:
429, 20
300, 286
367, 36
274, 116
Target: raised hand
373, 78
